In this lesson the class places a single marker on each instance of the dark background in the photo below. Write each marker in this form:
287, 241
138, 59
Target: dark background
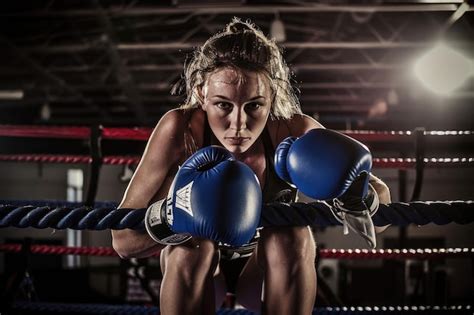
112, 63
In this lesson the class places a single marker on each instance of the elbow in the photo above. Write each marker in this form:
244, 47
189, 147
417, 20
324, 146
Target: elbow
380, 229
130, 244
382, 190
384, 195
119, 245
120, 251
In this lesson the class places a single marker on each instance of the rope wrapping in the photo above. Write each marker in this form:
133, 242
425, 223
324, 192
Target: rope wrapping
81, 218
274, 214
425, 212
298, 213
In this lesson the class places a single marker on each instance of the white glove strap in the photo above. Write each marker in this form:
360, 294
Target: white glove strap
157, 227
357, 220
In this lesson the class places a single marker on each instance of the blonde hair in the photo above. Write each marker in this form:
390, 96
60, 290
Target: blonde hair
240, 45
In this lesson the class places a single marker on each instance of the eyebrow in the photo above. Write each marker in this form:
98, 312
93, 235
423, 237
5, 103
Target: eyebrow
226, 98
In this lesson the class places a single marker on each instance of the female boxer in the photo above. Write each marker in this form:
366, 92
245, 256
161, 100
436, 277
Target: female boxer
239, 96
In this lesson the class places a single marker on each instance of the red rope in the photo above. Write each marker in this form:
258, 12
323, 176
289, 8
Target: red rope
427, 253
400, 163
139, 133
68, 159
47, 158
121, 160
60, 250
405, 163
435, 253
45, 132
372, 135
126, 133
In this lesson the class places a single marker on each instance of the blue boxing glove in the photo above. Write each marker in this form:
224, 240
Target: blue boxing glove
322, 163
325, 164
213, 196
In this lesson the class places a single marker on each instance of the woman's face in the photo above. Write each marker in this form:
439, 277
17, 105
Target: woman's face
237, 103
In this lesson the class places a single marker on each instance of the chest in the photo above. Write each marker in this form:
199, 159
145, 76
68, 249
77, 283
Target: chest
258, 164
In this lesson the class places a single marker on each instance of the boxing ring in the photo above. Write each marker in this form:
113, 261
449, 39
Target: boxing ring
95, 215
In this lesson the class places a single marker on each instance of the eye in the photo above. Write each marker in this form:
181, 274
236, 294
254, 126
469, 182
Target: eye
253, 106
224, 105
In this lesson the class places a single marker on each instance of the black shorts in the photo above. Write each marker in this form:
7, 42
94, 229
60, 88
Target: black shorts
232, 262
231, 270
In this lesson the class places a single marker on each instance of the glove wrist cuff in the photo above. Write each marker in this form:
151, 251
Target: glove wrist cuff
158, 228
351, 204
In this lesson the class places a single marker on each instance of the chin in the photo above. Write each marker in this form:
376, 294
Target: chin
236, 149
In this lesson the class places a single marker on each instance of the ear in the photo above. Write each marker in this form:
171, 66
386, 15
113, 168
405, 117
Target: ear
200, 97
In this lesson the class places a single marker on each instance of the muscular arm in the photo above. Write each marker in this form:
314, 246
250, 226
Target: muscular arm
149, 182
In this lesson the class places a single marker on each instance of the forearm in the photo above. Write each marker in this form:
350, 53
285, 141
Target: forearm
132, 243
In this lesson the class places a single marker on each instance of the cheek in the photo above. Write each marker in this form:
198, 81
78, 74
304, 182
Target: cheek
216, 120
260, 118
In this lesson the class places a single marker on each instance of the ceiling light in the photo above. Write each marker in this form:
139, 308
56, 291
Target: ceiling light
442, 69
277, 30
11, 94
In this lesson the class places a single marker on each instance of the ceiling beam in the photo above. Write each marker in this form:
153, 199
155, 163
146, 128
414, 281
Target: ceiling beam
159, 86
43, 73
172, 46
122, 73
205, 9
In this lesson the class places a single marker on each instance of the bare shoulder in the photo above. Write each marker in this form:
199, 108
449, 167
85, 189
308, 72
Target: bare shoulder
296, 126
172, 120
167, 136
301, 123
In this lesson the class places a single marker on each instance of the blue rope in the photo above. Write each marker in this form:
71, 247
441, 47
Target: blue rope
51, 308
58, 203
77, 217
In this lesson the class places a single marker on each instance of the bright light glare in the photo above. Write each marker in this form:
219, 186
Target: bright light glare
443, 69
277, 30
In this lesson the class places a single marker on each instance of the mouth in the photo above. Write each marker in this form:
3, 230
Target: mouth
236, 140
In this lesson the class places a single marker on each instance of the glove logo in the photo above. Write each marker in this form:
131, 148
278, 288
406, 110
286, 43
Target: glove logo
154, 217
169, 211
183, 199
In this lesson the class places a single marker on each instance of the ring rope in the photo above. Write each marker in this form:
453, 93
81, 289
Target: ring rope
377, 135
139, 133
56, 203
399, 163
69, 159
274, 214
60, 308
386, 254
72, 132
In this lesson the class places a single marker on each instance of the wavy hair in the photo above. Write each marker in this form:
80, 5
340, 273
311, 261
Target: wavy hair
240, 45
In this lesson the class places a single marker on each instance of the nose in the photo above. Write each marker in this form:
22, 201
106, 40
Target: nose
238, 119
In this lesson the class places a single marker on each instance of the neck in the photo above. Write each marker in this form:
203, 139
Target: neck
251, 154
